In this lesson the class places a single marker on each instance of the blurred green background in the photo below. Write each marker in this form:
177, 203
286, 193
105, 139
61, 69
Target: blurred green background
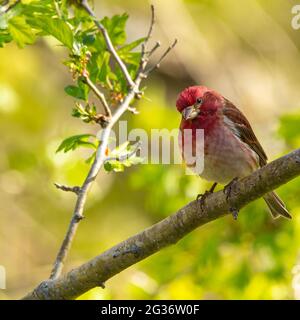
246, 50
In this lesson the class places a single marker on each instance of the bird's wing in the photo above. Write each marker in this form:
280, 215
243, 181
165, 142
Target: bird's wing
241, 128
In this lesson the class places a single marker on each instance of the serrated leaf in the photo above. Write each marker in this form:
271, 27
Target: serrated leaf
115, 27
20, 31
76, 141
103, 66
38, 7
56, 28
131, 58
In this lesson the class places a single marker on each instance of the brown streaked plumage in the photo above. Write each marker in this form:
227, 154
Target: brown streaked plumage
230, 145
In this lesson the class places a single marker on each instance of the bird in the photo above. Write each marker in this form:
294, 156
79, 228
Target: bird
231, 149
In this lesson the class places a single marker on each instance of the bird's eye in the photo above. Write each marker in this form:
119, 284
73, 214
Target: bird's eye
199, 100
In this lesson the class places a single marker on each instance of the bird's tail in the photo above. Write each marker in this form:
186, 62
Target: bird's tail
276, 205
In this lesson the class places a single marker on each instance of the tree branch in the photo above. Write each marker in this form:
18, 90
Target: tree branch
168, 231
110, 47
84, 189
62, 187
100, 157
99, 95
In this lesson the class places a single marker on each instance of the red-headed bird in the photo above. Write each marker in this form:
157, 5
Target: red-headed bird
231, 149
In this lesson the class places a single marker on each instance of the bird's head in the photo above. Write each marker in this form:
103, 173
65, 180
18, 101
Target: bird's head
197, 100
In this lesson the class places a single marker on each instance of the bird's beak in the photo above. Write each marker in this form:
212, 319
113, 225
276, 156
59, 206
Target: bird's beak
190, 113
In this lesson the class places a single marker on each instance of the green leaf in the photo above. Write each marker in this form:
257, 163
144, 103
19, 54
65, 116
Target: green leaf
74, 142
5, 37
76, 92
130, 46
20, 31
123, 150
113, 165
90, 159
56, 28
103, 66
3, 21
38, 7
115, 27
131, 57
86, 114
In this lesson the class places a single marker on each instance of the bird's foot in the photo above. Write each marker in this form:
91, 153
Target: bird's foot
202, 196
234, 212
227, 191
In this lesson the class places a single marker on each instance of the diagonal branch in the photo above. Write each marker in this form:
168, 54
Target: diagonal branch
100, 158
168, 231
149, 35
93, 172
84, 189
110, 47
99, 95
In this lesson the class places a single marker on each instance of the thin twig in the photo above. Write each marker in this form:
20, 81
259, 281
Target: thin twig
74, 189
133, 110
156, 46
157, 65
150, 31
100, 95
110, 47
144, 57
94, 170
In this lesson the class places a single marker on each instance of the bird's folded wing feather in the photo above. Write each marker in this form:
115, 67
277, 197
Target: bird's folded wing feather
241, 127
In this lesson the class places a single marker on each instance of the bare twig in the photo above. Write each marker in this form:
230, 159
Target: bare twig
100, 96
75, 189
110, 47
157, 65
168, 231
82, 195
144, 45
156, 46
132, 110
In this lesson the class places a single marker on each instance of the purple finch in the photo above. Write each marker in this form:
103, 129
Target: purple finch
231, 149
